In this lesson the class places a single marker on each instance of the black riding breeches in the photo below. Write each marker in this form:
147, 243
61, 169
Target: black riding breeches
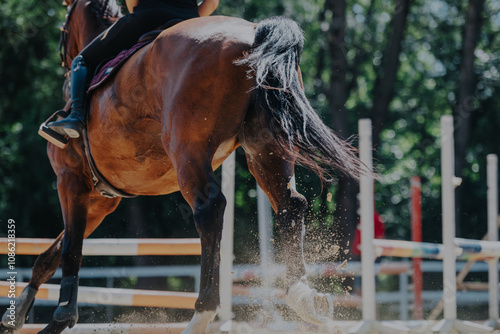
125, 32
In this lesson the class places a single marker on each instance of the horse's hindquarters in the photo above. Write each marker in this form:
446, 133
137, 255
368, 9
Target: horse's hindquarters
181, 93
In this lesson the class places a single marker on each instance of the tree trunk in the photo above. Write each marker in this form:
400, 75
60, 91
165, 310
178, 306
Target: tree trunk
384, 86
345, 214
337, 48
466, 99
362, 54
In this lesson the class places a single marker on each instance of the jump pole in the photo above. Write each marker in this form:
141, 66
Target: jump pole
367, 223
369, 323
448, 227
492, 178
266, 251
113, 328
448, 183
226, 261
114, 296
112, 247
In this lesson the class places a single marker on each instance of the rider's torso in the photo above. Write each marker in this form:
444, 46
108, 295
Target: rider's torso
167, 3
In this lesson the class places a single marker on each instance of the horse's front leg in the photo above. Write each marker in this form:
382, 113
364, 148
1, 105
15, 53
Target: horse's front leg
74, 195
45, 266
47, 263
203, 193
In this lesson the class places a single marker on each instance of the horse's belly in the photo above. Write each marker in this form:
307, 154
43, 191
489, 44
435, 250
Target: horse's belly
149, 172
131, 156
139, 165
144, 171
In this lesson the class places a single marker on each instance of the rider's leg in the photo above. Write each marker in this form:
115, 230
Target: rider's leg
75, 122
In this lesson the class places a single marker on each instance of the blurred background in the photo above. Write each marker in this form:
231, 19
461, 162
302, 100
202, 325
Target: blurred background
401, 63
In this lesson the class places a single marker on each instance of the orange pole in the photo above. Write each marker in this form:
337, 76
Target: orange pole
416, 235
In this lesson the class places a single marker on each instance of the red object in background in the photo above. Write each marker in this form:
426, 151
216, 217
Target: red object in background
416, 235
379, 233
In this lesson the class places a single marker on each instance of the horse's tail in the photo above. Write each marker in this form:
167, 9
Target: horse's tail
281, 101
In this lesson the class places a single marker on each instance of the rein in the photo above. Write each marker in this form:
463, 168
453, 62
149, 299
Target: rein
64, 37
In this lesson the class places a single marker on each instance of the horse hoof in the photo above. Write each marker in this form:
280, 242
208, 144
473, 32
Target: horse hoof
199, 323
23, 305
56, 327
313, 307
6, 330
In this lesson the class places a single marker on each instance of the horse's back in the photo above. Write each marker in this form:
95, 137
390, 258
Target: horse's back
211, 29
179, 95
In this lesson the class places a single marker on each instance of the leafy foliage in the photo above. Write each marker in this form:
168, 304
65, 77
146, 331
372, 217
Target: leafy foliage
29, 92
425, 89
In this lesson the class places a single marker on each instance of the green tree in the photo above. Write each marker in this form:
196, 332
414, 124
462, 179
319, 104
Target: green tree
398, 63
30, 90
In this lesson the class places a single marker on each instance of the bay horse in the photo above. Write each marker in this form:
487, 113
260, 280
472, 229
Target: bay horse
167, 120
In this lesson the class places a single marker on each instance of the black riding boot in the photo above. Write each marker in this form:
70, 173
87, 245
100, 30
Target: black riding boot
74, 124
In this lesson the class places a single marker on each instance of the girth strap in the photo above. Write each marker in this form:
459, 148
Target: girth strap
100, 182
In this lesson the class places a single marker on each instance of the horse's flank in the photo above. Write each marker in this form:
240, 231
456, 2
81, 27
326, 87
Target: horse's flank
192, 87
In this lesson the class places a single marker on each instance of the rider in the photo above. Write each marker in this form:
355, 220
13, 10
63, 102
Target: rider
144, 16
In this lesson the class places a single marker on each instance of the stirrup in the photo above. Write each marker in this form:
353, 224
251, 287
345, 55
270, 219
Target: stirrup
52, 136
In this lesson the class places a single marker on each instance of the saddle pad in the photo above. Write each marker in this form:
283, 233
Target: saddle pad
109, 68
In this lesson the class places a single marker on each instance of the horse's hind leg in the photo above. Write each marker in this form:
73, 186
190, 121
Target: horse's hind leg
202, 191
273, 173
47, 262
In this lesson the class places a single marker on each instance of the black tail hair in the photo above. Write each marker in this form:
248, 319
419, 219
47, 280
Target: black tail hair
280, 98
